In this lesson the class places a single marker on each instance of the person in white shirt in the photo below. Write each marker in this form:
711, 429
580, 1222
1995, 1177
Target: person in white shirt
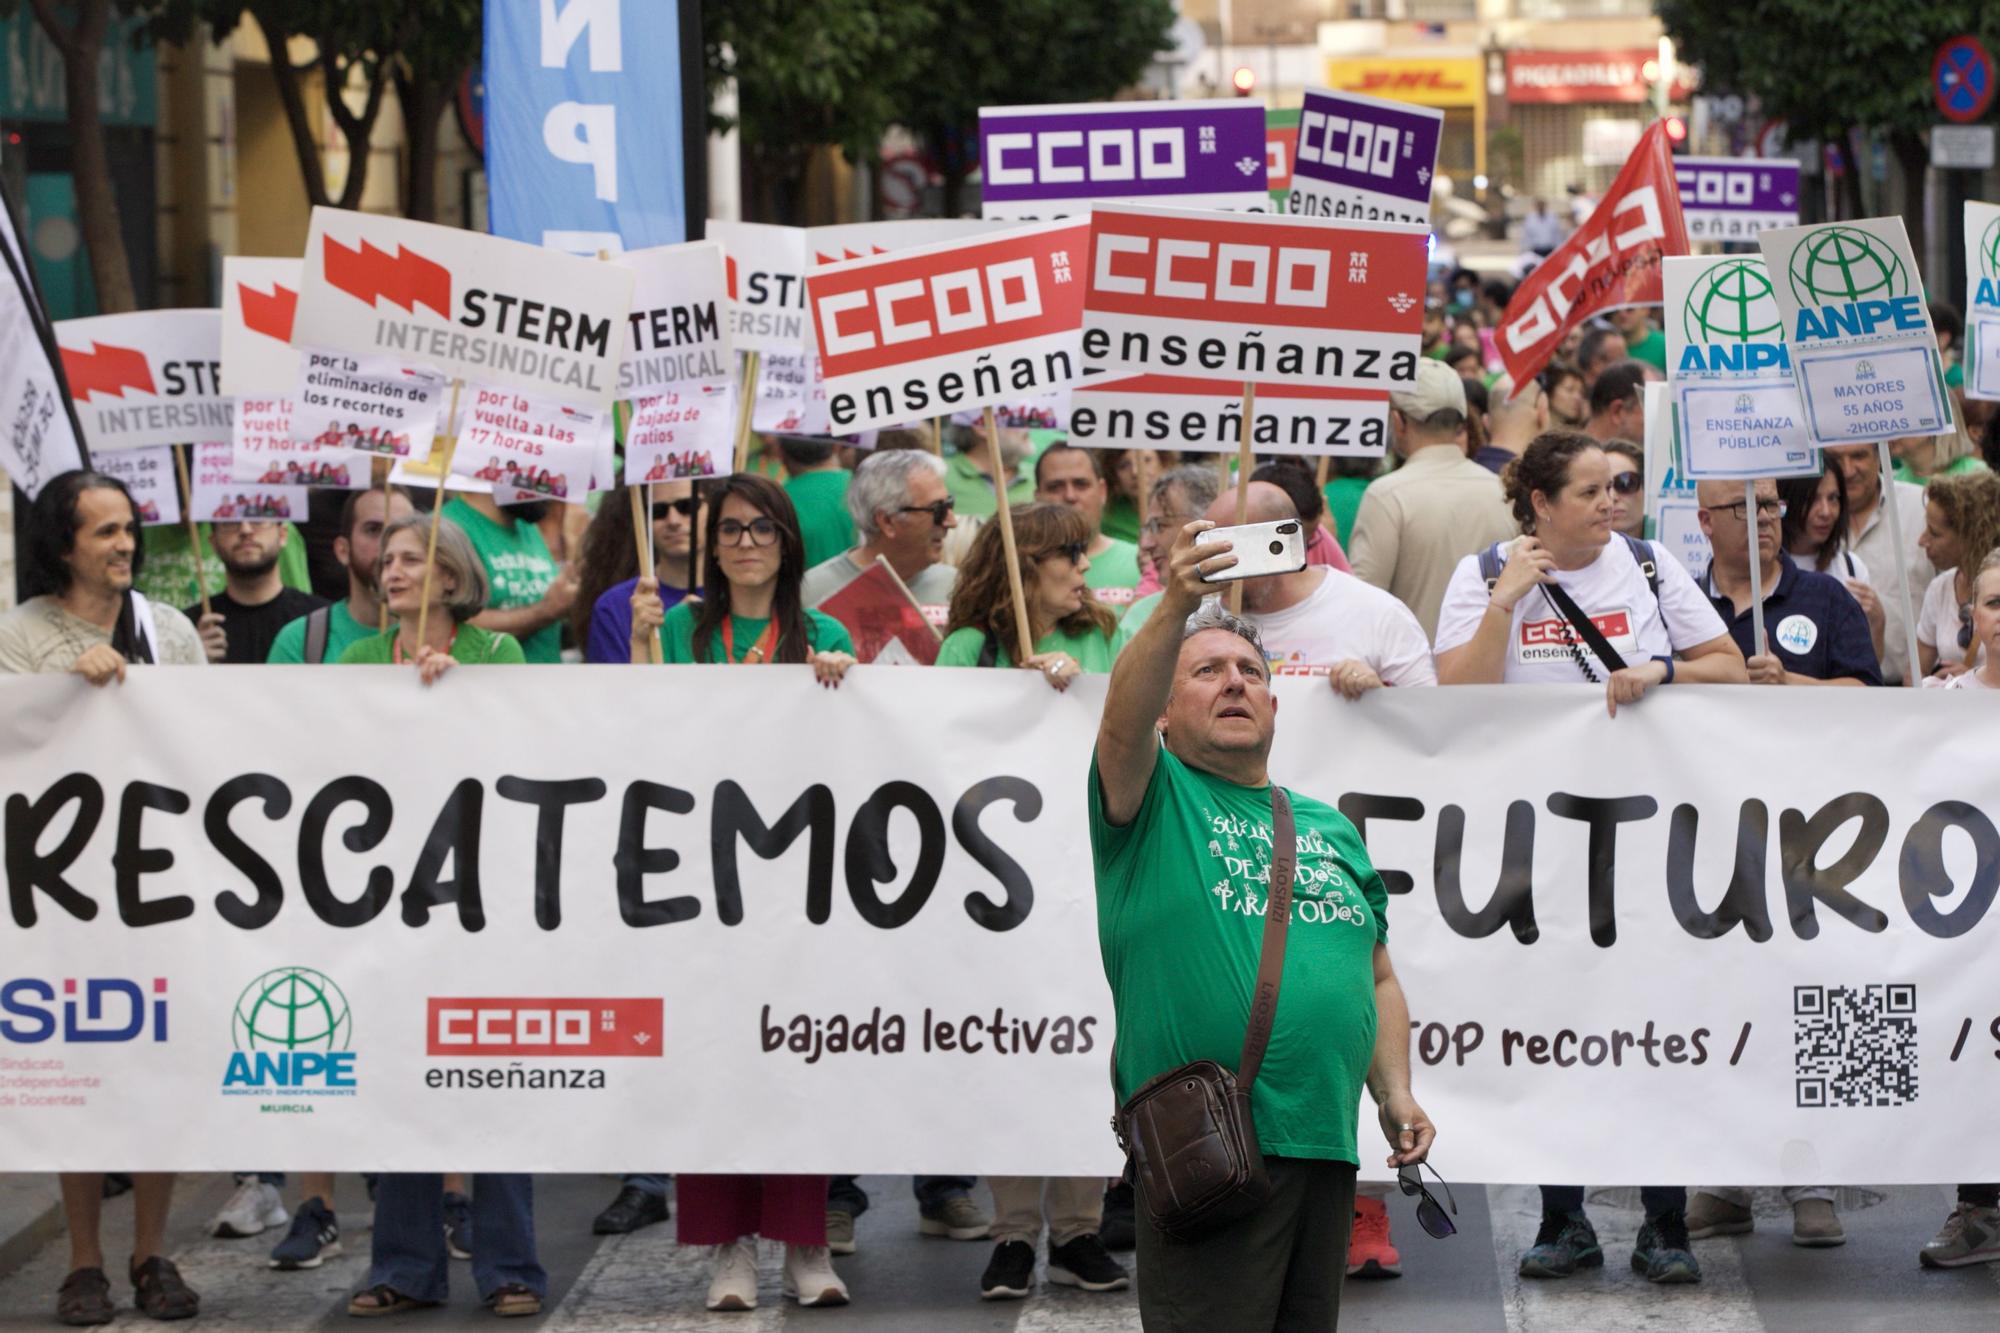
1869, 537
1319, 619
1516, 631
1541, 230
1961, 526
1985, 633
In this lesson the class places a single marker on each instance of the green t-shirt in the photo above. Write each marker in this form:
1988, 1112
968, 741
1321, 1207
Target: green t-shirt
1180, 922
1121, 519
472, 646
342, 631
1092, 651
1954, 375
1958, 467
520, 568
1651, 349
1112, 576
168, 575
1134, 620
1343, 502
826, 634
821, 499
972, 493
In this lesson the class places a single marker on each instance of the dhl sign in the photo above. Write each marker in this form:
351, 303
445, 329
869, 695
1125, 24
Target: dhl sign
1443, 81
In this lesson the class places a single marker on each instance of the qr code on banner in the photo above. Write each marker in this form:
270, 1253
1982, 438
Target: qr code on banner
1854, 1045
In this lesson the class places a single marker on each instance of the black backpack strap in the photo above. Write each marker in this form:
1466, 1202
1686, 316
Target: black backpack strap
1585, 628
1490, 565
1649, 565
989, 651
319, 625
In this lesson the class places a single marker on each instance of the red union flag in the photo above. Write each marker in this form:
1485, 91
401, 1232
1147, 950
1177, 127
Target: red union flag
1250, 296
572, 1028
942, 328
1612, 260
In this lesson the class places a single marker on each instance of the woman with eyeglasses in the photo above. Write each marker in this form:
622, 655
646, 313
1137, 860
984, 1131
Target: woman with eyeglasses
608, 572
1628, 487
1961, 526
1072, 635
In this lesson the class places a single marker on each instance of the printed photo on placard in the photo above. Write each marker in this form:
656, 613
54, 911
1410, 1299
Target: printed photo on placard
220, 498
519, 441
149, 474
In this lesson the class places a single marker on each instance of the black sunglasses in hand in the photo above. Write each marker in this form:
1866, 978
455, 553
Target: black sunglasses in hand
1431, 1215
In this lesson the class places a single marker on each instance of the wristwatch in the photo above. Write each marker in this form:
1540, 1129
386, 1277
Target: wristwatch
1667, 659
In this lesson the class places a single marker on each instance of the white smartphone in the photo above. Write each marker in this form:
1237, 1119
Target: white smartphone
1259, 548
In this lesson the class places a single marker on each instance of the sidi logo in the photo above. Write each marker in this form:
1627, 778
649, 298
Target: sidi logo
268, 313
1346, 142
929, 306
95, 1009
1065, 157
1195, 270
555, 1027
108, 370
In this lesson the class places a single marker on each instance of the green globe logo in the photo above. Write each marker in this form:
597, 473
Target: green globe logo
1843, 264
1733, 302
289, 1009
1989, 250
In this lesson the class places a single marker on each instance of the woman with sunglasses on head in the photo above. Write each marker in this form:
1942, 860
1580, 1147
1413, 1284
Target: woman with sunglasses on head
1628, 487
1072, 635
1961, 526
1511, 616
608, 573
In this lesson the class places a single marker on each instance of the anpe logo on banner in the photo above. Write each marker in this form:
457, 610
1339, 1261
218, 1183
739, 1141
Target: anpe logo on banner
107, 370
1858, 284
294, 1035
104, 1009
1732, 321
268, 313
564, 1028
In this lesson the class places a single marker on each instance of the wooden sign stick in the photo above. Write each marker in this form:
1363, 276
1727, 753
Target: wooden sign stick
194, 530
1006, 517
753, 364
437, 511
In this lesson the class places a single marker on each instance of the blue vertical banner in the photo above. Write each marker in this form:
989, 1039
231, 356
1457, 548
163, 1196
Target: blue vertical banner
584, 145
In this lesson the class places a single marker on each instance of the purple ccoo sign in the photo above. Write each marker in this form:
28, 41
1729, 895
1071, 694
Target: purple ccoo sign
1121, 151
1368, 144
1726, 198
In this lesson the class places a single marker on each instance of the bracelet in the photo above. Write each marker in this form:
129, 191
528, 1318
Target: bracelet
1668, 660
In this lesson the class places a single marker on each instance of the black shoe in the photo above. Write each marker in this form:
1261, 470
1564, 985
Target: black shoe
1085, 1263
1117, 1228
116, 1183
1010, 1275
632, 1209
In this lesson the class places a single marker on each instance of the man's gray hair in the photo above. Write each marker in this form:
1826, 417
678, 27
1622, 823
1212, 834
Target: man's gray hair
882, 483
1199, 485
1212, 614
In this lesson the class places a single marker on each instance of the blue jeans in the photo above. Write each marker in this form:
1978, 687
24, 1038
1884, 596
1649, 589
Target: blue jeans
933, 1192
656, 1186
1656, 1199
409, 1251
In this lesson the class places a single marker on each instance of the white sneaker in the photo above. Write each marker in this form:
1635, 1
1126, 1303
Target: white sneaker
253, 1208
732, 1280
809, 1276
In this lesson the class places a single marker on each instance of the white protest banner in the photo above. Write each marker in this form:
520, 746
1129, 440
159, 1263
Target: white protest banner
929, 331
765, 270
857, 240
366, 405
508, 947
1250, 297
683, 432
1735, 403
524, 442
1056, 161
1861, 343
38, 437
149, 474
465, 304
1670, 493
219, 497
1982, 301
791, 395
678, 332
260, 370
1163, 411
149, 377
1364, 159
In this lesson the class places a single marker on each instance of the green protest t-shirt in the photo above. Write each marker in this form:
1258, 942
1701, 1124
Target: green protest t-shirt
471, 645
1651, 349
821, 499
823, 632
1120, 520
1092, 651
972, 493
519, 567
168, 573
342, 631
1112, 575
1134, 620
1180, 923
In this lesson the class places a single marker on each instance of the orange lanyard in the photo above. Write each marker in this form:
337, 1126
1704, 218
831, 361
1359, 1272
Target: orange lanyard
760, 651
396, 647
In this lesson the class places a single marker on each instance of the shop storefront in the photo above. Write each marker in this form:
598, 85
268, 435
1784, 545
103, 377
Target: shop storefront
1579, 113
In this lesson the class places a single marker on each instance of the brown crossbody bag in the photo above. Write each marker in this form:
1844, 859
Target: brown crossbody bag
1188, 1134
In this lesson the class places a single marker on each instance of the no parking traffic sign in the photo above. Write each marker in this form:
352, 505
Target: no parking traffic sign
1962, 79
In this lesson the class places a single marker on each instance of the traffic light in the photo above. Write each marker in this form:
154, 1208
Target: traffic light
1244, 80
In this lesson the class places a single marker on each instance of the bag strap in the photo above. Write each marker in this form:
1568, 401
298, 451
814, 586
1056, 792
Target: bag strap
1490, 565
1271, 957
1642, 556
1584, 626
318, 626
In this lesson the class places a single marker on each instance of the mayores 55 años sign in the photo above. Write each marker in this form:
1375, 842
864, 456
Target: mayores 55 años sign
544, 948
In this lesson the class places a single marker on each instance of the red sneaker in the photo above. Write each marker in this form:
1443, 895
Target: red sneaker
1370, 1252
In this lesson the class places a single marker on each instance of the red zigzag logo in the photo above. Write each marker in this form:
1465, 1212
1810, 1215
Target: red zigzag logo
269, 315
405, 278
105, 369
